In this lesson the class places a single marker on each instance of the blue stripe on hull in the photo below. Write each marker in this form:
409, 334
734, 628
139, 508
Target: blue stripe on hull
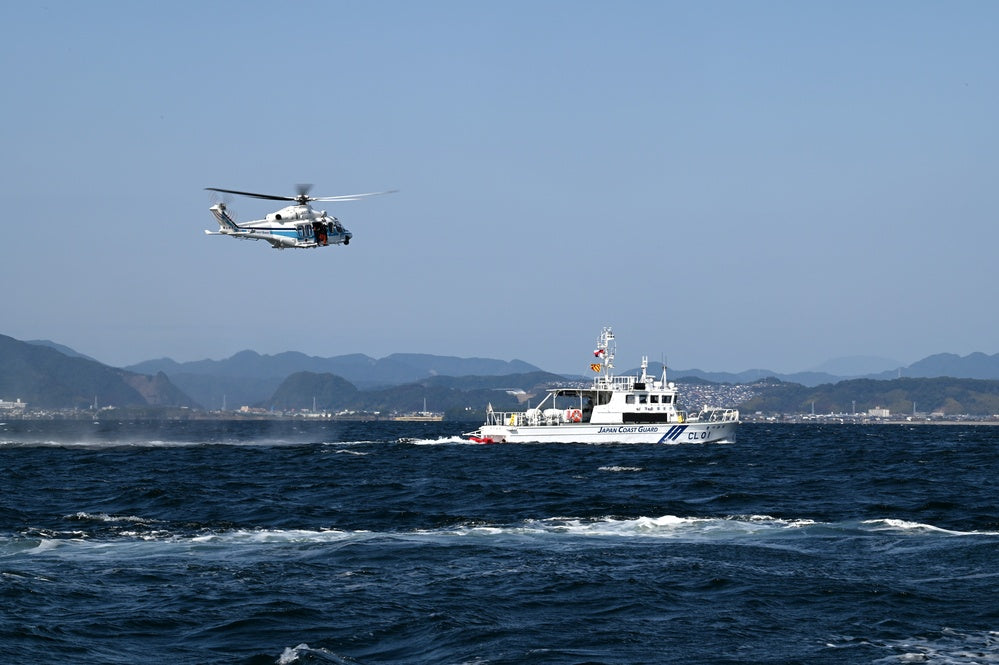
673, 433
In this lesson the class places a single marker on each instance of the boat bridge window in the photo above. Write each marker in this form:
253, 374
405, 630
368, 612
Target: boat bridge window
654, 399
643, 399
629, 399
603, 397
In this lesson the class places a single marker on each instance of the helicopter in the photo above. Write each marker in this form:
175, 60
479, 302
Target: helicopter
297, 225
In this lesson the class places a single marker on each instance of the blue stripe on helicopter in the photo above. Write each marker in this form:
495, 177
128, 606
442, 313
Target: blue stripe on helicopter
289, 233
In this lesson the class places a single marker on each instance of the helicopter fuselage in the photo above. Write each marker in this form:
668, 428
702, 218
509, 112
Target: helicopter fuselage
295, 226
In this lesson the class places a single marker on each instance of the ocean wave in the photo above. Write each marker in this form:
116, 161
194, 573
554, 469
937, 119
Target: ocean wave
662, 527
761, 530
346, 451
104, 517
303, 653
359, 442
947, 647
915, 527
271, 536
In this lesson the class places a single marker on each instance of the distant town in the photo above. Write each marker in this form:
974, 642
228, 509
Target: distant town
695, 395
700, 393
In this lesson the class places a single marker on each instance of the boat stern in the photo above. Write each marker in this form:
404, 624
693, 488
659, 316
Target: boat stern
479, 436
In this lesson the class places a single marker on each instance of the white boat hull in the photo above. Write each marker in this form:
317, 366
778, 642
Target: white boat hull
710, 432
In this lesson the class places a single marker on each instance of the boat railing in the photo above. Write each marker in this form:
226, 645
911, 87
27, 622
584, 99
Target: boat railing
511, 418
614, 382
533, 417
718, 416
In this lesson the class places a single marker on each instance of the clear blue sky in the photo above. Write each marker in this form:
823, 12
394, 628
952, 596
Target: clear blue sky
732, 184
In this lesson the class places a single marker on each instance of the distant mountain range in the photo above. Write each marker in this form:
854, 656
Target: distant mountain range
249, 378
972, 366
50, 375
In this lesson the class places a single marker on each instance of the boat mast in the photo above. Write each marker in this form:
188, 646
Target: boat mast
605, 352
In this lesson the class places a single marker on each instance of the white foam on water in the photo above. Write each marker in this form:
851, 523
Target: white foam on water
949, 647
762, 530
905, 526
440, 441
293, 655
104, 517
266, 536
365, 442
49, 545
668, 527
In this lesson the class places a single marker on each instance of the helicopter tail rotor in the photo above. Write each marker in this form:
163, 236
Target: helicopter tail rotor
224, 200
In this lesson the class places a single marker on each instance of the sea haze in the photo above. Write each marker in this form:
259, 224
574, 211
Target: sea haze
285, 542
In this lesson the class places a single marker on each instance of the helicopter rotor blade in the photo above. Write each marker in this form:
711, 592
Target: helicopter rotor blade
269, 197
351, 197
303, 195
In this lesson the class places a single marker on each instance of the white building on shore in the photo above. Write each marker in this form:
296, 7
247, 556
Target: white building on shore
16, 407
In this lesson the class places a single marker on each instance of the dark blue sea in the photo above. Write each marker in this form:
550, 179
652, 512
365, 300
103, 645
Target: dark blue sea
322, 542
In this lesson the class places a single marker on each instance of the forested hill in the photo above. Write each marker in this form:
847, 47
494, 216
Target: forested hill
48, 379
454, 395
901, 396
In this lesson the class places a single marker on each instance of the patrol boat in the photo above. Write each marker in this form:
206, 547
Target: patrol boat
615, 409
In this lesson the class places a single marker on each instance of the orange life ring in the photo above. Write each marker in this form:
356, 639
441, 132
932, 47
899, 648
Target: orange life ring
575, 415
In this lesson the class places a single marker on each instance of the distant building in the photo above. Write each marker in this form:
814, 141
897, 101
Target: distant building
13, 407
879, 412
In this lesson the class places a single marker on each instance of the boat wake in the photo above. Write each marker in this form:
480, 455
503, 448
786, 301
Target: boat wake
439, 441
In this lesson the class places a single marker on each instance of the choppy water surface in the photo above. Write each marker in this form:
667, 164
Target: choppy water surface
282, 542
